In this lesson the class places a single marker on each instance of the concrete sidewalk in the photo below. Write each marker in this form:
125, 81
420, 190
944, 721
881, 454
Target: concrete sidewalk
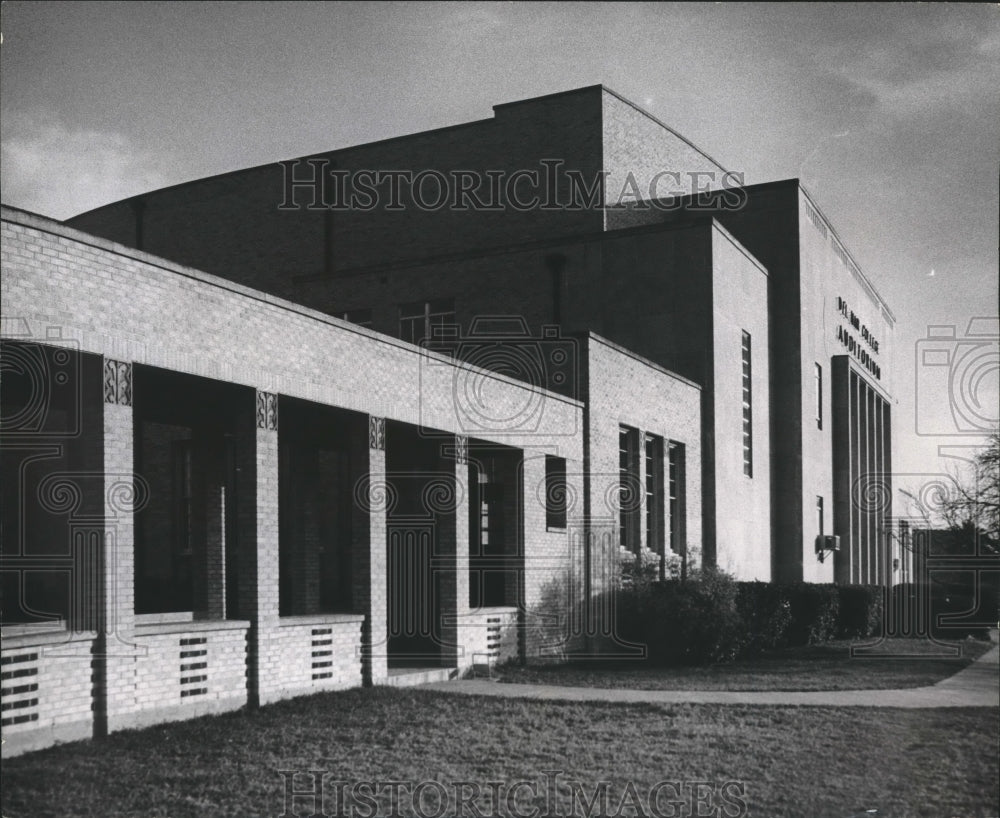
978, 685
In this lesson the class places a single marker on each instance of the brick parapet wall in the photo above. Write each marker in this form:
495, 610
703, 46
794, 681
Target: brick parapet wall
47, 689
168, 316
489, 636
187, 670
306, 654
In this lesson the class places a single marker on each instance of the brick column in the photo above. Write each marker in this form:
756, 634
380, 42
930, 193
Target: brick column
640, 471
452, 561
373, 498
115, 664
257, 461
267, 540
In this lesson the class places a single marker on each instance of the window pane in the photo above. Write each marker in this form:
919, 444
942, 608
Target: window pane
555, 492
747, 407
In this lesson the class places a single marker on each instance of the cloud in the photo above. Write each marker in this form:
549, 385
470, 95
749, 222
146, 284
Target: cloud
60, 171
944, 67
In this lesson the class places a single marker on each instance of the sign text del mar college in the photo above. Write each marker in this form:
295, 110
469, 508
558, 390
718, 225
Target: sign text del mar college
855, 345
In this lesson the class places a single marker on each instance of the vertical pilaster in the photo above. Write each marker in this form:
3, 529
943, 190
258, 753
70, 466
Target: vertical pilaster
374, 497
453, 561
841, 423
264, 617
114, 665
640, 470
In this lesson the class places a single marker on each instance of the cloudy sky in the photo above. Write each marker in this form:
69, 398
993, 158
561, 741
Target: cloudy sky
888, 114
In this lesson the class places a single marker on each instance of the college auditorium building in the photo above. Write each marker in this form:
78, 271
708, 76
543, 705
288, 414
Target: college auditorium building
392, 412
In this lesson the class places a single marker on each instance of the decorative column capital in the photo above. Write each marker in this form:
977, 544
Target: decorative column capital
376, 433
267, 411
117, 382
462, 449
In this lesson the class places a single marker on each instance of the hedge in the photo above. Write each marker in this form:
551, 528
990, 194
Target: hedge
712, 618
693, 622
861, 610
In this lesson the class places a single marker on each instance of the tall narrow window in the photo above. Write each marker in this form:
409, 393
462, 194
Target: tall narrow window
819, 396
628, 487
747, 408
488, 550
555, 492
654, 493
676, 500
819, 516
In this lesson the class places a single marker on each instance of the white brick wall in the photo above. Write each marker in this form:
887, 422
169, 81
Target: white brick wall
46, 692
306, 654
185, 670
134, 308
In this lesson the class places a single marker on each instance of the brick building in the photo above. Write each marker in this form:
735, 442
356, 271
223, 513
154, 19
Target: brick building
405, 407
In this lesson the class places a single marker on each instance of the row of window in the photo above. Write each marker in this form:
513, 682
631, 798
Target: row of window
422, 320
418, 320
658, 455
746, 354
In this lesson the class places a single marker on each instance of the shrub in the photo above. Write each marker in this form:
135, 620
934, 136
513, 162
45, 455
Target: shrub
766, 613
861, 608
814, 613
695, 621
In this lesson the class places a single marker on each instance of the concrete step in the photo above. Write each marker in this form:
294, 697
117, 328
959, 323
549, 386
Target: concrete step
412, 676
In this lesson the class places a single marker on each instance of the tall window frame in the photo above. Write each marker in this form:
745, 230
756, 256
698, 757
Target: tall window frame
628, 486
818, 386
653, 453
419, 319
747, 359
555, 493
676, 496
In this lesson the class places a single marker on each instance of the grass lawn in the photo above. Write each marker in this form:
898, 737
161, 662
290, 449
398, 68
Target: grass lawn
816, 667
783, 761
